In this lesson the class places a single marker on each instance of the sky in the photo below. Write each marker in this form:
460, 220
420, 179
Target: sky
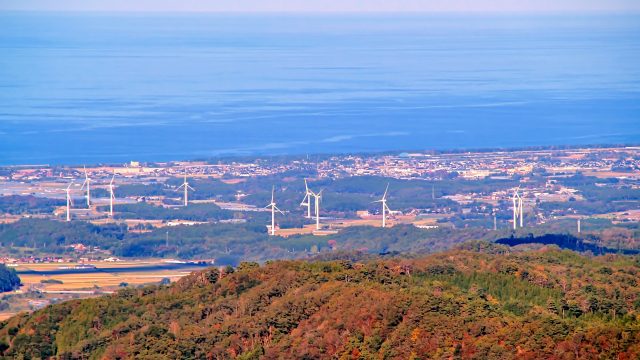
325, 5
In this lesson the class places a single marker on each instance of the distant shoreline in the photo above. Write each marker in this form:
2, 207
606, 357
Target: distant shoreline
321, 156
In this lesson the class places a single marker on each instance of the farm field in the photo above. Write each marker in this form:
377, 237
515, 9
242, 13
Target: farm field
374, 220
48, 283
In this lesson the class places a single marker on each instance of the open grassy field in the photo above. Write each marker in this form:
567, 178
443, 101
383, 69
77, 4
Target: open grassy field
6, 315
7, 219
628, 215
73, 282
42, 288
133, 273
337, 224
611, 174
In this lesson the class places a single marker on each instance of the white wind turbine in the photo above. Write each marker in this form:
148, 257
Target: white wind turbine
186, 187
87, 183
385, 207
517, 209
112, 196
317, 197
69, 201
579, 226
273, 207
307, 199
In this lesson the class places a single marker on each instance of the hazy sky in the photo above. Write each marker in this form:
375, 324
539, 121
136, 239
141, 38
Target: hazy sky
325, 5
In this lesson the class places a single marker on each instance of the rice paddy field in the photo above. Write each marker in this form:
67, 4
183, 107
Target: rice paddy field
48, 283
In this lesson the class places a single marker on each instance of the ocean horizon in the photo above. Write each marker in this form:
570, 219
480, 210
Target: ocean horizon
104, 88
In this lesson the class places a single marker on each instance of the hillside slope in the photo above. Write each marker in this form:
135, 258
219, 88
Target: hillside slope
9, 280
458, 304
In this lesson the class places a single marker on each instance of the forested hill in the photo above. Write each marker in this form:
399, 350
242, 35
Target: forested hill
9, 280
565, 241
478, 302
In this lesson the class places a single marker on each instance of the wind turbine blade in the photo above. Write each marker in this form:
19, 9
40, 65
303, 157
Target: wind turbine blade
385, 192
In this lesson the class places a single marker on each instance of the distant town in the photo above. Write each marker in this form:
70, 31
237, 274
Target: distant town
603, 162
92, 191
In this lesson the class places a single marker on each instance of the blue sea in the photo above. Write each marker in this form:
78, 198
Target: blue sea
88, 87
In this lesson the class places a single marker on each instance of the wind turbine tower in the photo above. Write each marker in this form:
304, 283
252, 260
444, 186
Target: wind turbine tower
317, 197
69, 201
579, 229
87, 184
517, 209
307, 199
385, 207
273, 207
186, 187
112, 196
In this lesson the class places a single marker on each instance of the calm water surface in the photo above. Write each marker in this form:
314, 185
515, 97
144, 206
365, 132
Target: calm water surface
86, 88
